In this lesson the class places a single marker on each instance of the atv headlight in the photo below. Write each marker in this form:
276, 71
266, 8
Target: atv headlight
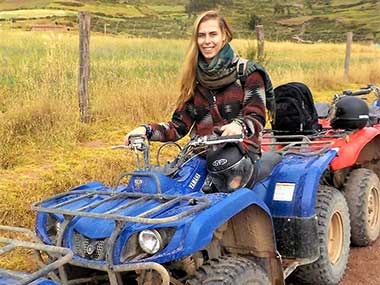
150, 241
145, 243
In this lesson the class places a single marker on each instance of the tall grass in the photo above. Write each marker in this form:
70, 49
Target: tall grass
321, 65
45, 150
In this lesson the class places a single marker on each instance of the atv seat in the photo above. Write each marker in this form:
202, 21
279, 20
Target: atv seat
269, 160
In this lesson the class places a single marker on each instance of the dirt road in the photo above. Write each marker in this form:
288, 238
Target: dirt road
363, 266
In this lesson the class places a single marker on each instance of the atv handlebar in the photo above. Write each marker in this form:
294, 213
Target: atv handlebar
204, 141
362, 91
139, 143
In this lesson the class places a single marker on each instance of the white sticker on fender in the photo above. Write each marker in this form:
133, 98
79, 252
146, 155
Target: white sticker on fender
284, 191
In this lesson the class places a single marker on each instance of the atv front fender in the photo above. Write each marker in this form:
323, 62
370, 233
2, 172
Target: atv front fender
357, 148
202, 228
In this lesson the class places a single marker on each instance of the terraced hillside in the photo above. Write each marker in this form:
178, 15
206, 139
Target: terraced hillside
325, 20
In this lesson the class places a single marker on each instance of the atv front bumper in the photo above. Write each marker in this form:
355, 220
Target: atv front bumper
113, 271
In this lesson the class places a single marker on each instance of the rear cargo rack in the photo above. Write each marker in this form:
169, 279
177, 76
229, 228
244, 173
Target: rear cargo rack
296, 144
63, 255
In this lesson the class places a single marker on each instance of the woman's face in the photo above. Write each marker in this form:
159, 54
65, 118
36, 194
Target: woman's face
210, 39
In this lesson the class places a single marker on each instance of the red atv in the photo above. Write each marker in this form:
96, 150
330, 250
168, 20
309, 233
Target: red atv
354, 128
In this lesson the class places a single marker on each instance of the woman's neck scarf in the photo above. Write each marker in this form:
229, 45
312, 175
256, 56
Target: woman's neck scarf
220, 72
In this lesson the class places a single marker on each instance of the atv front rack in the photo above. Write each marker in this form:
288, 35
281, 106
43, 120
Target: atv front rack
164, 202
296, 144
63, 255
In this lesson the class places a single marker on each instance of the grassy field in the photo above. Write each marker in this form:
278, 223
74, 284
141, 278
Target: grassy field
45, 150
312, 20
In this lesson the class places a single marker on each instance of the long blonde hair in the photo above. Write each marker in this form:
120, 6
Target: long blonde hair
189, 69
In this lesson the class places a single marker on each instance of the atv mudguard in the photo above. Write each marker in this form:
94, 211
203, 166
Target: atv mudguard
202, 228
291, 189
357, 148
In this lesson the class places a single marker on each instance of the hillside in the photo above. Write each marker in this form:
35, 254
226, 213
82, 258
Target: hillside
325, 20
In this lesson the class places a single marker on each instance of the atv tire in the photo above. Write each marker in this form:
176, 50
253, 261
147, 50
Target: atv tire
334, 239
362, 191
230, 270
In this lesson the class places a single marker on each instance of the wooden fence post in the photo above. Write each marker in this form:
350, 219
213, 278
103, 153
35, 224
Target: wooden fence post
105, 29
84, 66
260, 40
348, 56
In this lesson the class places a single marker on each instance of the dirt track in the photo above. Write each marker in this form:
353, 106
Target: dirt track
364, 265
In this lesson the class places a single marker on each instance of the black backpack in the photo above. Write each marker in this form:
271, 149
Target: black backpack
295, 112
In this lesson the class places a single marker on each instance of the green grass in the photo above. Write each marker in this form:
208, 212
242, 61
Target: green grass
163, 18
23, 4
35, 13
168, 8
111, 10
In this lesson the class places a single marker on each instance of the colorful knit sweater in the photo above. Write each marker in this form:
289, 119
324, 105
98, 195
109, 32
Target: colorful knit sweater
232, 103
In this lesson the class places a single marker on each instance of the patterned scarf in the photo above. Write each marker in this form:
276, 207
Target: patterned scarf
220, 72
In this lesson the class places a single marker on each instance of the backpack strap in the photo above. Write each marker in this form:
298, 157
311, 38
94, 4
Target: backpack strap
244, 68
214, 111
242, 71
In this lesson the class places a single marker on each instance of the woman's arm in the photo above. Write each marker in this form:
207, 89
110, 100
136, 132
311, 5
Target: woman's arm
178, 127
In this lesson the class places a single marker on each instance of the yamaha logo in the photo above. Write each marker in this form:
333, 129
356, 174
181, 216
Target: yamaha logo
219, 162
195, 180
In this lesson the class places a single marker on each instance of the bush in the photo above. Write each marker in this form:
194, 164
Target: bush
254, 20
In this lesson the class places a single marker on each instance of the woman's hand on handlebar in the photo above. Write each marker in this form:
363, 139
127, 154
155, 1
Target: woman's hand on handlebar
139, 131
231, 129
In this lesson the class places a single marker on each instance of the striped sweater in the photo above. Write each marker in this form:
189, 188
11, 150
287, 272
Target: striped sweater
199, 117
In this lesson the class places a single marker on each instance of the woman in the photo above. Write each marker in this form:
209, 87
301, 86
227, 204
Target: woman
212, 97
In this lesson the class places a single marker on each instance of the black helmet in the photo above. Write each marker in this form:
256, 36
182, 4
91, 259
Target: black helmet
350, 113
230, 168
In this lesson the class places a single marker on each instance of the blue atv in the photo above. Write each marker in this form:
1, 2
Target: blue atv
61, 256
159, 225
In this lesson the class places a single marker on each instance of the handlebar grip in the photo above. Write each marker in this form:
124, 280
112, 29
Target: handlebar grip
362, 92
231, 137
357, 93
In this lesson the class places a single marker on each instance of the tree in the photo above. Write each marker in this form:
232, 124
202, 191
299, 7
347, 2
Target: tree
254, 20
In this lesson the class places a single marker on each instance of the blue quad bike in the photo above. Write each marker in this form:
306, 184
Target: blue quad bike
45, 275
158, 224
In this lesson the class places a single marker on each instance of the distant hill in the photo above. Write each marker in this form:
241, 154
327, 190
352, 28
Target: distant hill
326, 20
